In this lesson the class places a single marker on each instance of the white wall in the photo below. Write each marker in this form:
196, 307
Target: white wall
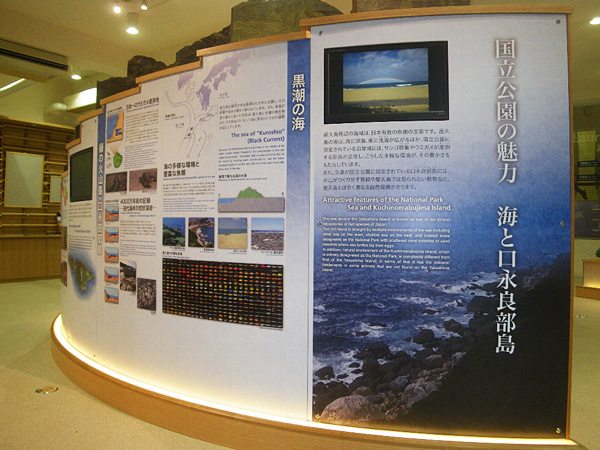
28, 103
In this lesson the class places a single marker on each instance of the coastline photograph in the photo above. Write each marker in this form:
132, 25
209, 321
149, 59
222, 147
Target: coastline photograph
413, 349
233, 233
386, 98
386, 81
201, 232
174, 231
267, 234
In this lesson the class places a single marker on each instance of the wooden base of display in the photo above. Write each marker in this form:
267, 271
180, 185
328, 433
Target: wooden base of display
248, 432
591, 280
587, 292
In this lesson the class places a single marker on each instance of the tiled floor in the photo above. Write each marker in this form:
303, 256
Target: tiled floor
70, 419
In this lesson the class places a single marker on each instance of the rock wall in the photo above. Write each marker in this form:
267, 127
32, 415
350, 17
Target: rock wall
260, 18
374, 5
143, 65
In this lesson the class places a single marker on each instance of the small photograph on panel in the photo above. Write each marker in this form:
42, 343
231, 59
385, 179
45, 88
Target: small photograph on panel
111, 213
111, 295
387, 82
143, 180
128, 274
114, 137
267, 234
399, 82
111, 255
201, 232
64, 272
116, 182
250, 200
233, 233
114, 127
111, 234
83, 273
146, 294
174, 231
63, 234
111, 275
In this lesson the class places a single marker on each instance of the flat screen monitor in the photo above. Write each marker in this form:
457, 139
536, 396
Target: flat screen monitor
387, 82
81, 166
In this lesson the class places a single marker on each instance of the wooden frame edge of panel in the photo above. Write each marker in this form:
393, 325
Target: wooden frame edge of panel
120, 95
30, 236
238, 431
169, 71
18, 280
435, 11
303, 34
90, 115
572, 226
72, 144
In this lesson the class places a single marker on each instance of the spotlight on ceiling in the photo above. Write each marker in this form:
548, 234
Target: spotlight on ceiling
595, 21
144, 5
117, 7
74, 72
132, 22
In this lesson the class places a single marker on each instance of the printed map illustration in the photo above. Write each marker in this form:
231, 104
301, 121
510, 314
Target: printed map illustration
196, 100
82, 274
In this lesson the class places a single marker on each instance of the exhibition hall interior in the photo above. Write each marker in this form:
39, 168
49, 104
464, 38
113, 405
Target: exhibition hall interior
297, 224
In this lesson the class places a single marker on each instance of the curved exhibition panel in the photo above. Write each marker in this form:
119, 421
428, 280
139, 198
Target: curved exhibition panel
355, 236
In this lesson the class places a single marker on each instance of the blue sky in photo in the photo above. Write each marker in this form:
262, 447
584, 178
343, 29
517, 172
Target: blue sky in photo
267, 224
407, 65
232, 223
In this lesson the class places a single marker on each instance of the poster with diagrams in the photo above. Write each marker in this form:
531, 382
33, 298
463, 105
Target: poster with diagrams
441, 270
224, 166
189, 215
368, 228
130, 204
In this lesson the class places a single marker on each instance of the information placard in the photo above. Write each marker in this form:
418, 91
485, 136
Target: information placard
442, 241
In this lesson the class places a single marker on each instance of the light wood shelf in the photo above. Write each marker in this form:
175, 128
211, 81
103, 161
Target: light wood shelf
31, 236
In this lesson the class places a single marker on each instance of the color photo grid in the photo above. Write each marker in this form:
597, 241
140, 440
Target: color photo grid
249, 294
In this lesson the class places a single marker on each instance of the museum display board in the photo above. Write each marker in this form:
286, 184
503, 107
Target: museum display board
199, 207
442, 228
370, 227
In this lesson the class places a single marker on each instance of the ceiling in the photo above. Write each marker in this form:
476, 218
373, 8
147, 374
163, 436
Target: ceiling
94, 40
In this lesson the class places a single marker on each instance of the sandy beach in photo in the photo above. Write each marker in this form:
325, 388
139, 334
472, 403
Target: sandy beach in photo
405, 98
238, 241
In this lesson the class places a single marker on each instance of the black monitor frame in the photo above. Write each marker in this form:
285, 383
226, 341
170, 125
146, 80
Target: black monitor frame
81, 175
335, 112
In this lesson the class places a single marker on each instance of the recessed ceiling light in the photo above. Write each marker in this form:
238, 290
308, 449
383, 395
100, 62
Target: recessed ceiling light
117, 7
132, 21
76, 76
595, 21
144, 5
